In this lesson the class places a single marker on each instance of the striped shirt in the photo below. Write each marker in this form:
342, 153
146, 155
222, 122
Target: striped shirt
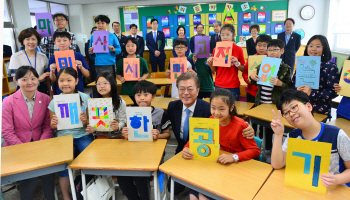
265, 95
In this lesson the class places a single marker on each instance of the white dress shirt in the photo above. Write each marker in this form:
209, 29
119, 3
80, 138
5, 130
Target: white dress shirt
183, 116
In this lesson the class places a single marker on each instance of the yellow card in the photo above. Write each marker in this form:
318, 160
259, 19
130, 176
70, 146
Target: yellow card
345, 79
204, 138
253, 62
306, 161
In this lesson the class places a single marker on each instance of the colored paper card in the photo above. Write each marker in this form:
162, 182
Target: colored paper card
262, 29
148, 20
261, 17
101, 42
245, 30
223, 52
131, 68
308, 71
245, 6
345, 79
165, 20
196, 19
202, 46
204, 138
278, 28
306, 161
166, 32
65, 59
44, 24
100, 113
269, 68
212, 7
181, 20
67, 110
139, 123
182, 9
178, 66
247, 17
169, 42
211, 31
197, 8
253, 62
212, 18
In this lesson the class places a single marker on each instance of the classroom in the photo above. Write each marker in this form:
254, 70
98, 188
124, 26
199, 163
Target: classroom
188, 100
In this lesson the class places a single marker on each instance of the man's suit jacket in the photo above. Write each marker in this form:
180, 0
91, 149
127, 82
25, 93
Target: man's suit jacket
202, 109
213, 43
153, 46
121, 42
17, 127
141, 43
290, 49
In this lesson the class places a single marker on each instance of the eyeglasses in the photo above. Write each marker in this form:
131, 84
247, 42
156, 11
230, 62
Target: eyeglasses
60, 20
273, 50
226, 35
102, 84
179, 48
317, 47
293, 109
183, 90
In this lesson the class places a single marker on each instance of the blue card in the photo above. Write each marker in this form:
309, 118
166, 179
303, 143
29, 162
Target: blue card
269, 68
308, 71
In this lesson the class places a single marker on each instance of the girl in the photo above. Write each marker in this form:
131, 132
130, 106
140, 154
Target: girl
343, 110
321, 99
131, 47
67, 80
227, 77
181, 32
231, 139
106, 86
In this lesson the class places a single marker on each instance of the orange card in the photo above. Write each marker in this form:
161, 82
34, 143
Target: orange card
131, 68
178, 66
223, 53
65, 59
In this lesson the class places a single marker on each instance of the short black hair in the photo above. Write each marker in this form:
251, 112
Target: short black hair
229, 27
115, 23
263, 38
180, 41
326, 53
290, 19
92, 30
276, 43
102, 18
133, 25
116, 100
199, 25
178, 28
61, 34
154, 20
290, 95
133, 40
256, 26
23, 70
28, 32
226, 97
146, 87
59, 14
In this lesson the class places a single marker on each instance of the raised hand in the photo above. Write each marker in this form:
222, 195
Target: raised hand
276, 124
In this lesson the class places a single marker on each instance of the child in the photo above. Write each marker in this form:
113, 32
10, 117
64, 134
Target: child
205, 75
131, 47
145, 92
321, 99
62, 40
105, 62
222, 107
227, 77
296, 108
343, 110
106, 87
67, 80
181, 46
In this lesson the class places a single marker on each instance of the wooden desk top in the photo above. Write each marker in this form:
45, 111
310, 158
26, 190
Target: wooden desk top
162, 102
36, 155
232, 181
342, 124
337, 99
119, 154
241, 106
264, 112
127, 100
157, 81
274, 188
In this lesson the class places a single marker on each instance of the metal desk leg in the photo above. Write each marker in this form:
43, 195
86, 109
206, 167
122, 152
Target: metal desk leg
83, 178
71, 180
155, 186
172, 189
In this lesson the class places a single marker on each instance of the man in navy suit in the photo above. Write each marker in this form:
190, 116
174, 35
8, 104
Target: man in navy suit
141, 42
216, 37
155, 41
121, 38
292, 43
199, 29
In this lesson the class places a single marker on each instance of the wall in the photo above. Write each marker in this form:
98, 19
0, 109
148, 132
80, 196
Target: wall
77, 25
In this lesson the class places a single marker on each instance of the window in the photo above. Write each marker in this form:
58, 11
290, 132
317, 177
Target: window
8, 32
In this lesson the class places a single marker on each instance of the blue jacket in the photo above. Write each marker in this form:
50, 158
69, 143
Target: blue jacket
107, 58
141, 43
290, 49
153, 46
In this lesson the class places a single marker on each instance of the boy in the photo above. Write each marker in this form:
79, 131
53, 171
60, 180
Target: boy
181, 46
295, 107
105, 62
205, 75
63, 40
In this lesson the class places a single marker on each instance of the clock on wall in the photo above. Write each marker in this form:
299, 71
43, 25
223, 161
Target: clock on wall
307, 12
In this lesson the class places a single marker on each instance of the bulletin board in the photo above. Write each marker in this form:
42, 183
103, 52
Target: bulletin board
244, 15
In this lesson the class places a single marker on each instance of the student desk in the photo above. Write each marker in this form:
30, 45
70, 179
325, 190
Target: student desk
156, 81
342, 124
162, 102
241, 106
121, 158
274, 188
336, 101
231, 181
127, 100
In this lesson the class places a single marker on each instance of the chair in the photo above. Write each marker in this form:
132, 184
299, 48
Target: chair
258, 142
161, 91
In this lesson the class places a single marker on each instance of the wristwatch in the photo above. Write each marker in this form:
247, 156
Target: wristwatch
235, 157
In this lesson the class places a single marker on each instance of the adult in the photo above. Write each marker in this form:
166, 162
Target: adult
121, 38
29, 39
25, 118
181, 33
292, 43
139, 39
250, 43
90, 58
216, 37
199, 29
37, 48
155, 41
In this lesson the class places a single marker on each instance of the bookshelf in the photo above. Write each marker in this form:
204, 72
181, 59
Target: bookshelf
8, 84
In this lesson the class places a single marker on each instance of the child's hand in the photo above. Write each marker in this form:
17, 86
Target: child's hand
248, 132
276, 124
210, 60
329, 179
79, 64
122, 80
54, 122
91, 50
43, 76
192, 72
114, 125
306, 89
186, 153
337, 87
275, 81
141, 79
225, 159
125, 132
53, 67
90, 129
234, 61
254, 77
155, 134
83, 118
111, 48
194, 58
167, 73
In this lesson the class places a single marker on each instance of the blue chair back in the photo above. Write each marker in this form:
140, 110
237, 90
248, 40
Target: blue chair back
259, 142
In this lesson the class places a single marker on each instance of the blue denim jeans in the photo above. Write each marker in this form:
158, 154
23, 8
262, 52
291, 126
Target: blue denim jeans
78, 144
235, 91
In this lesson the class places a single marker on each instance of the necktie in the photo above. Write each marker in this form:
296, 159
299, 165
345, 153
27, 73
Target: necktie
186, 127
216, 38
155, 36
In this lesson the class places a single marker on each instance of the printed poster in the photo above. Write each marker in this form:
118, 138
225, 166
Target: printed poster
308, 71
223, 52
100, 113
178, 66
139, 123
197, 8
212, 7
131, 16
269, 68
67, 110
182, 9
